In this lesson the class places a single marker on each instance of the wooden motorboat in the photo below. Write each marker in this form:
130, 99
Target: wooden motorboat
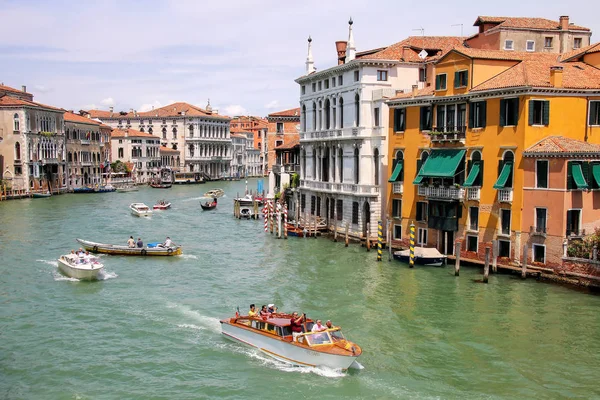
214, 193
85, 268
41, 195
85, 189
128, 188
273, 337
130, 251
161, 185
209, 205
295, 231
423, 256
140, 210
162, 205
104, 189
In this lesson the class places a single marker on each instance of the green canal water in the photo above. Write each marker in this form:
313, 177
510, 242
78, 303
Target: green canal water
150, 329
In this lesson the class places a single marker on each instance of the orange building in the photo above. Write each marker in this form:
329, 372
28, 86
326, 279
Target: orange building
284, 127
256, 125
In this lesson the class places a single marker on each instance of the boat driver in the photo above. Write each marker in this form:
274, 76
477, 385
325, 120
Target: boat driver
168, 242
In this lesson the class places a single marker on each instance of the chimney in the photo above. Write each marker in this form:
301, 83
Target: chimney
556, 76
24, 88
340, 47
131, 110
415, 88
564, 22
110, 109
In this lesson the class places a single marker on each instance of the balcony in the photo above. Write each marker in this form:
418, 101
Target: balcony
85, 141
345, 188
448, 193
276, 168
505, 195
18, 162
332, 134
398, 187
448, 134
537, 231
291, 168
473, 193
575, 233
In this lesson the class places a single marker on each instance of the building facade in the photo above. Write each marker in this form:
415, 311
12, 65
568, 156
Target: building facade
32, 148
139, 148
86, 159
284, 127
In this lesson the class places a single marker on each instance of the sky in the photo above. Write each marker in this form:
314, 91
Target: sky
243, 55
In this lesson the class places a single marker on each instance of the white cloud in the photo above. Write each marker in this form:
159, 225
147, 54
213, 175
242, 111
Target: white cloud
149, 106
233, 110
272, 104
42, 89
109, 101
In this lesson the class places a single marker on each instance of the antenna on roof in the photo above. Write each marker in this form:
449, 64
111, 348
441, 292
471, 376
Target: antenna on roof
420, 29
461, 28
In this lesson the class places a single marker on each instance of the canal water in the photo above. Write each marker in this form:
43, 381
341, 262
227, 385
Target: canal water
150, 329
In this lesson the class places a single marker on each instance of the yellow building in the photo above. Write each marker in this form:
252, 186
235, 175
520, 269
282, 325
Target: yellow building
456, 147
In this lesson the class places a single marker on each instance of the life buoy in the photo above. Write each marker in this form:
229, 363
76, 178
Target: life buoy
95, 249
144, 252
169, 251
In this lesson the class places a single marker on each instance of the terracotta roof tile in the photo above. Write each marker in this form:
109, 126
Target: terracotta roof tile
408, 49
4, 88
9, 101
562, 145
497, 54
293, 112
289, 144
120, 133
164, 149
172, 110
425, 92
71, 117
592, 48
525, 23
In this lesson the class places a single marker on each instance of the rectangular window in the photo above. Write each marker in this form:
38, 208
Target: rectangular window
540, 220
280, 127
340, 80
509, 112
313, 203
422, 236
505, 221
326, 82
303, 89
461, 79
314, 87
539, 112
318, 206
425, 122
332, 82
332, 209
376, 116
397, 208
577, 43
382, 75
356, 76
320, 85
355, 212
573, 219
474, 218
504, 248
530, 45
399, 119
423, 74
421, 211
539, 253
397, 232
472, 243
548, 42
594, 118
509, 45
541, 174
339, 206
440, 82
477, 114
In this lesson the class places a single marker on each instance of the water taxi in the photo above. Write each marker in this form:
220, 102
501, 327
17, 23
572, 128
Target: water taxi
273, 337
140, 210
162, 205
83, 268
188, 178
214, 193
116, 249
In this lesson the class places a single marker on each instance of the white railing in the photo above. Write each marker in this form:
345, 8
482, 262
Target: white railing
398, 187
442, 192
332, 134
85, 141
473, 193
505, 195
339, 187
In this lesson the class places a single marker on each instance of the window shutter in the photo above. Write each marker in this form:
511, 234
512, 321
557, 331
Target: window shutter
593, 112
469, 166
500, 165
502, 112
569, 175
482, 112
472, 115
530, 112
479, 180
437, 82
546, 113
466, 76
396, 119
585, 168
456, 79
515, 104
422, 119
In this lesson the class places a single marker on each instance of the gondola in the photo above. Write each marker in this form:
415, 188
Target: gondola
207, 205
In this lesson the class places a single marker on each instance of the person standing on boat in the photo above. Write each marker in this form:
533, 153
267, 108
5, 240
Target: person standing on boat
264, 313
252, 312
168, 242
140, 244
272, 309
296, 325
318, 327
131, 242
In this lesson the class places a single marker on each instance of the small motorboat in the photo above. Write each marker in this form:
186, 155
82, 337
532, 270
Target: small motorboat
41, 195
214, 193
292, 230
157, 250
105, 189
423, 256
161, 185
249, 200
128, 188
85, 189
83, 267
140, 210
273, 336
208, 205
162, 205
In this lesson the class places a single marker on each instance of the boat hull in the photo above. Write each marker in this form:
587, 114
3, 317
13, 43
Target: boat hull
428, 261
210, 207
83, 272
284, 351
162, 206
129, 251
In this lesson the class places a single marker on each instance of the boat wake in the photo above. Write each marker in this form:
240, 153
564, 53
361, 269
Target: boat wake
105, 275
60, 277
202, 322
49, 262
191, 326
188, 256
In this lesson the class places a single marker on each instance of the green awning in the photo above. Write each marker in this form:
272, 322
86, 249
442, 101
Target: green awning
418, 179
504, 174
473, 174
396, 174
578, 177
442, 163
596, 173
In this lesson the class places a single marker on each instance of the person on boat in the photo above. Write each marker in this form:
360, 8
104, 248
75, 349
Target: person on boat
296, 325
140, 244
271, 308
329, 325
131, 242
168, 242
252, 312
264, 313
318, 327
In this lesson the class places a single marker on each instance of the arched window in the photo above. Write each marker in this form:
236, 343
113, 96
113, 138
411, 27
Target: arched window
476, 156
303, 127
303, 171
314, 164
334, 114
507, 157
357, 109
164, 132
17, 124
191, 147
69, 157
314, 118
376, 163
421, 161
399, 158
174, 133
150, 130
191, 128
327, 112
142, 130
17, 151
341, 161
121, 154
356, 165
341, 106
320, 126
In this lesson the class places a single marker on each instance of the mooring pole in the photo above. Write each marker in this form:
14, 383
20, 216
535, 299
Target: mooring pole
494, 256
379, 239
486, 268
457, 259
347, 228
524, 263
411, 260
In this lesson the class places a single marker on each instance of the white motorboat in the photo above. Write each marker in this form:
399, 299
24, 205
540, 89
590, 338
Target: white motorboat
86, 268
423, 255
128, 188
273, 337
140, 210
214, 193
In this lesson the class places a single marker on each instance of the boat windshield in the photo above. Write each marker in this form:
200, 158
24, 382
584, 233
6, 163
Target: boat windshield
337, 335
317, 338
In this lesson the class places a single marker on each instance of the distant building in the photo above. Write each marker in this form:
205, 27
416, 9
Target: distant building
246, 159
284, 127
85, 151
258, 127
140, 148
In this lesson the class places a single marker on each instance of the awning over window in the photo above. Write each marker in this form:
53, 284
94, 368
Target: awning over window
418, 180
578, 177
596, 173
442, 163
396, 174
473, 174
504, 174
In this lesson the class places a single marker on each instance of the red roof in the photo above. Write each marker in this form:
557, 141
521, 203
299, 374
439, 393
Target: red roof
289, 144
119, 133
172, 110
562, 145
408, 49
71, 117
8, 101
525, 23
292, 112
592, 48
4, 88
164, 149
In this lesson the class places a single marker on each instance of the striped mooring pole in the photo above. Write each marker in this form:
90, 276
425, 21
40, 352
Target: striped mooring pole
285, 219
411, 261
379, 239
266, 218
271, 216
